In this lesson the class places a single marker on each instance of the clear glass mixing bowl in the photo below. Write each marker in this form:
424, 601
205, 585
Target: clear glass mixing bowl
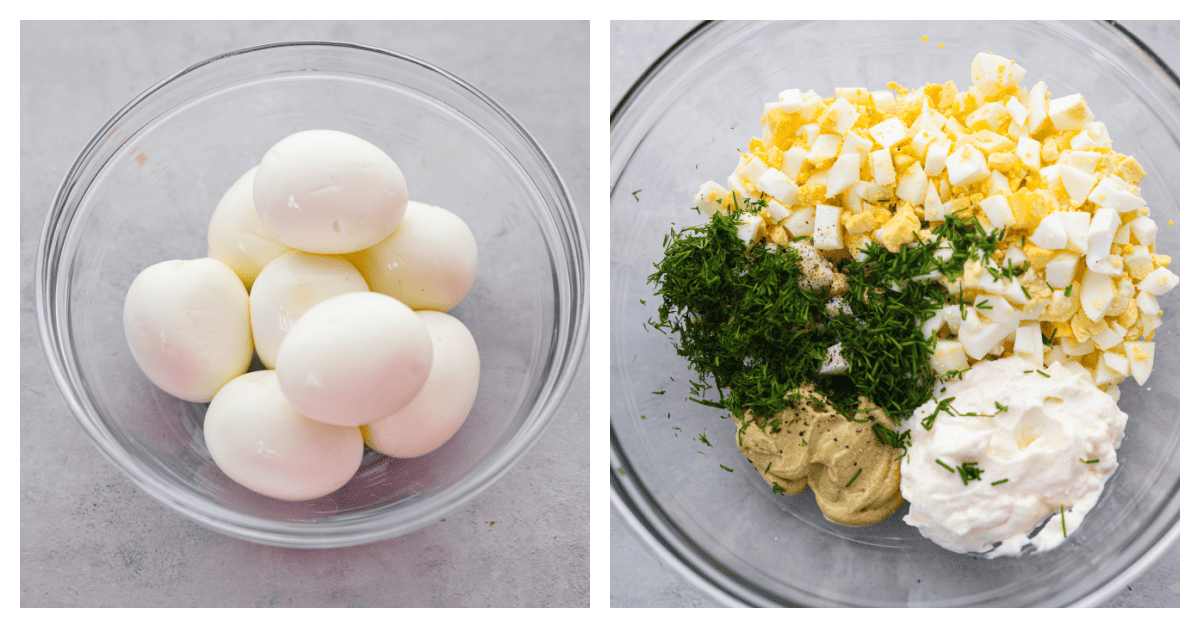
143, 190
728, 533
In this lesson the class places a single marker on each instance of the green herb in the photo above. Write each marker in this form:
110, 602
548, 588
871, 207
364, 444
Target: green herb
1000, 407
777, 488
1067, 292
969, 471
1043, 373
893, 438
768, 469
999, 481
1092, 461
727, 468
983, 305
956, 374
854, 478
990, 358
948, 467
942, 406
970, 241
1026, 291
635, 193
658, 392
704, 438
749, 329
1063, 516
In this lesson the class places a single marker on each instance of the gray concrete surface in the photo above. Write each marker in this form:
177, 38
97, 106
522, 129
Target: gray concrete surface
637, 578
90, 538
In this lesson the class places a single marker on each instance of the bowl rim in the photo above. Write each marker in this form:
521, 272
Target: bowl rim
564, 352
629, 496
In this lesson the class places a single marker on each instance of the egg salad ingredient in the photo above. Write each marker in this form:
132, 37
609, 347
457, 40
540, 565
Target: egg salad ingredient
260, 441
1071, 274
757, 322
238, 237
326, 191
854, 477
1008, 447
287, 288
429, 262
188, 326
343, 356
354, 359
443, 403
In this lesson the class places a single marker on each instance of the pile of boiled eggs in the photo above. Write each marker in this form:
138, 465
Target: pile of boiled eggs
320, 263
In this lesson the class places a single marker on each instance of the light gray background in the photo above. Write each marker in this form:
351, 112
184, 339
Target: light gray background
90, 538
638, 579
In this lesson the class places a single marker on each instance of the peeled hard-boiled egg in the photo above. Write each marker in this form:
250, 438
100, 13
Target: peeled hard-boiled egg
260, 441
429, 262
238, 237
188, 326
354, 359
329, 192
288, 287
441, 406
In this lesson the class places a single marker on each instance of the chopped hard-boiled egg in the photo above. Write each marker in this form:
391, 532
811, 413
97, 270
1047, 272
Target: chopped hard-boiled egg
889, 166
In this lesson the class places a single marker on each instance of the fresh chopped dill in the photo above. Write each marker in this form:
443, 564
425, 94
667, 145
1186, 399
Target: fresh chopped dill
969, 471
777, 488
1043, 373
1000, 407
856, 473
1067, 291
635, 193
727, 468
893, 438
1092, 461
704, 438
749, 329
942, 406
956, 374
1063, 516
999, 482
948, 467
658, 392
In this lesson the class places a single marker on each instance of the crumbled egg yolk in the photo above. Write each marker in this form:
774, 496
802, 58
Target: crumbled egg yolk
890, 165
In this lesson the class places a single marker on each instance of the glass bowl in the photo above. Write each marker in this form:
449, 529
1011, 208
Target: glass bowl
143, 190
728, 533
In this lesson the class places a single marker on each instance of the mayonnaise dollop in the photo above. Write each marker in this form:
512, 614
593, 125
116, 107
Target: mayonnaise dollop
1045, 439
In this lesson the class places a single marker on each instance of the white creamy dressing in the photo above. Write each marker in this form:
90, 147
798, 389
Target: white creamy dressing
1041, 444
